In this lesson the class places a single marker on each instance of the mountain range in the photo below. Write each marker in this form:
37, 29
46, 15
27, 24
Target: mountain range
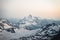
29, 28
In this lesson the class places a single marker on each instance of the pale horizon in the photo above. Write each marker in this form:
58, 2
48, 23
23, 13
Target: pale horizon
40, 8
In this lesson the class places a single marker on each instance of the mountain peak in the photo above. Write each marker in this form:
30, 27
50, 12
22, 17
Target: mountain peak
30, 16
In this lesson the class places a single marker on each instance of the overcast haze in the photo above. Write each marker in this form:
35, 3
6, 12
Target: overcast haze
41, 8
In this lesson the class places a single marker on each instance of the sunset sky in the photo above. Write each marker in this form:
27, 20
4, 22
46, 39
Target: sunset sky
41, 8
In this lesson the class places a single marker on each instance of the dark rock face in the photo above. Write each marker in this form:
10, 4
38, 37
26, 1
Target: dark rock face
1, 26
10, 30
56, 37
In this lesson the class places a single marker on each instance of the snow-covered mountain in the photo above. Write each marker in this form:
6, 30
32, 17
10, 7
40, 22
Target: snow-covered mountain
29, 28
31, 22
5, 25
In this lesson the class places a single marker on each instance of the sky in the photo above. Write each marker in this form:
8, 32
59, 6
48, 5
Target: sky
41, 8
